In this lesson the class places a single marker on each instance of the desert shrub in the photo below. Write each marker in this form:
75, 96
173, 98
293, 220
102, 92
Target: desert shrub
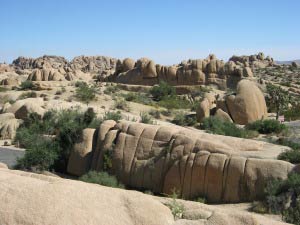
161, 91
122, 104
141, 98
30, 94
176, 207
116, 116
3, 89
49, 141
266, 126
283, 197
218, 126
26, 85
155, 113
40, 155
174, 102
146, 118
292, 156
102, 178
85, 93
292, 113
182, 119
111, 89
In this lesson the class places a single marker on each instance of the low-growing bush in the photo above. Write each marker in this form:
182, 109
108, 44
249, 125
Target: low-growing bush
3, 89
122, 104
116, 116
30, 94
221, 127
141, 98
283, 197
26, 85
49, 141
111, 89
162, 90
176, 207
146, 118
292, 156
292, 113
183, 119
102, 178
155, 113
266, 126
85, 93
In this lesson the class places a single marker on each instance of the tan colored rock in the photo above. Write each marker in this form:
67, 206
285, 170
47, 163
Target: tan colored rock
247, 72
22, 108
149, 70
3, 166
223, 115
25, 197
161, 158
248, 105
128, 64
10, 81
203, 111
81, 154
8, 125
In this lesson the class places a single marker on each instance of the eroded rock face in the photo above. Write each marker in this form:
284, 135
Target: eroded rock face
258, 60
193, 72
8, 125
25, 197
161, 158
22, 108
248, 105
45, 75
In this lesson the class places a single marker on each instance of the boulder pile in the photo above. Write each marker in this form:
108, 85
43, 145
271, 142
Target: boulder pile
245, 106
161, 158
259, 60
192, 72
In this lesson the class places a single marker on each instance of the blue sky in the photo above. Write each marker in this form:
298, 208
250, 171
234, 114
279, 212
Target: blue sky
167, 31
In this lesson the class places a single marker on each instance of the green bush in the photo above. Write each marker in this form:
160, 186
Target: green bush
116, 116
292, 113
174, 102
161, 91
266, 126
146, 118
283, 197
102, 178
122, 104
49, 141
141, 98
26, 85
85, 93
30, 94
111, 89
292, 156
218, 126
182, 119
3, 89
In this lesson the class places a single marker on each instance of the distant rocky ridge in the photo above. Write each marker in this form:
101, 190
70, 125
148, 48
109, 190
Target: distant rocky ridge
141, 72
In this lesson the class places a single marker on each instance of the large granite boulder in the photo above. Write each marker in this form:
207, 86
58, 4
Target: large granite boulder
35, 199
248, 105
161, 158
8, 125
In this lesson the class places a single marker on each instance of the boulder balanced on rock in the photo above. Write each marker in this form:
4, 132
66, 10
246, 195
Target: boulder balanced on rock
161, 158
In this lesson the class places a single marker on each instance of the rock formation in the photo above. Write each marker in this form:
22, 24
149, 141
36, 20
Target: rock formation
193, 72
258, 60
35, 199
8, 125
161, 158
246, 106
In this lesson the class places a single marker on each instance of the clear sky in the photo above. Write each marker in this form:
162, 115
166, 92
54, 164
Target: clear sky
167, 31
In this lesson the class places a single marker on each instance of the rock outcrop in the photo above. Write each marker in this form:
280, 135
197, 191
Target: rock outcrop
193, 72
22, 108
45, 75
245, 106
248, 105
8, 125
25, 197
161, 158
258, 60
